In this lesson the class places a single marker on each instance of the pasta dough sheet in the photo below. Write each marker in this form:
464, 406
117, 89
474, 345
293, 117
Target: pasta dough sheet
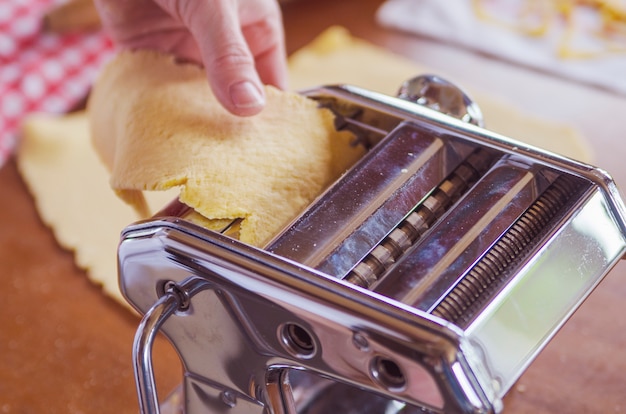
72, 194
71, 186
167, 129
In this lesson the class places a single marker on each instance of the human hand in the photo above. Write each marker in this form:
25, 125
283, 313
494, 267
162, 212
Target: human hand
240, 43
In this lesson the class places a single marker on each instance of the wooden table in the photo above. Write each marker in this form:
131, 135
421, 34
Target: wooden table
65, 347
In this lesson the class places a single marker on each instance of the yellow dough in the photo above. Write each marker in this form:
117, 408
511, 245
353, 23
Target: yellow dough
72, 194
71, 187
167, 129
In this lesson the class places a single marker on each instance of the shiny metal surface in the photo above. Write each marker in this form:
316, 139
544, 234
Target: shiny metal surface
426, 278
384, 186
173, 298
439, 94
255, 297
142, 351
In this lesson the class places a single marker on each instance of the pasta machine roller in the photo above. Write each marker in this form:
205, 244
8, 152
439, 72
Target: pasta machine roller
425, 279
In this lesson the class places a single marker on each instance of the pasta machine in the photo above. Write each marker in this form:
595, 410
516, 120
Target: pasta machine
425, 279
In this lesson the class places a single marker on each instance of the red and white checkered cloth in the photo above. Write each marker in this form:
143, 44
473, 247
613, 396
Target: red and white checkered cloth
39, 71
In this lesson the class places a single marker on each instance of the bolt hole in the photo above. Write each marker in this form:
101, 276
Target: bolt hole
388, 373
169, 287
298, 340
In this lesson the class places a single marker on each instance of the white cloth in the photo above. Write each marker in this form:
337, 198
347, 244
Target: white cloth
455, 22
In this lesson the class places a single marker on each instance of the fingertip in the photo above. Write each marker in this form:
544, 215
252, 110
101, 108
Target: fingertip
245, 98
245, 94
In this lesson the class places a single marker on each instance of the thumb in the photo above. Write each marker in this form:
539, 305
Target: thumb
228, 61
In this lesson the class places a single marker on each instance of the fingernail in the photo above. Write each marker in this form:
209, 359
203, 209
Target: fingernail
246, 95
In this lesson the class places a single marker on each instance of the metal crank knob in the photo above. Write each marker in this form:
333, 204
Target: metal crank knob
443, 96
